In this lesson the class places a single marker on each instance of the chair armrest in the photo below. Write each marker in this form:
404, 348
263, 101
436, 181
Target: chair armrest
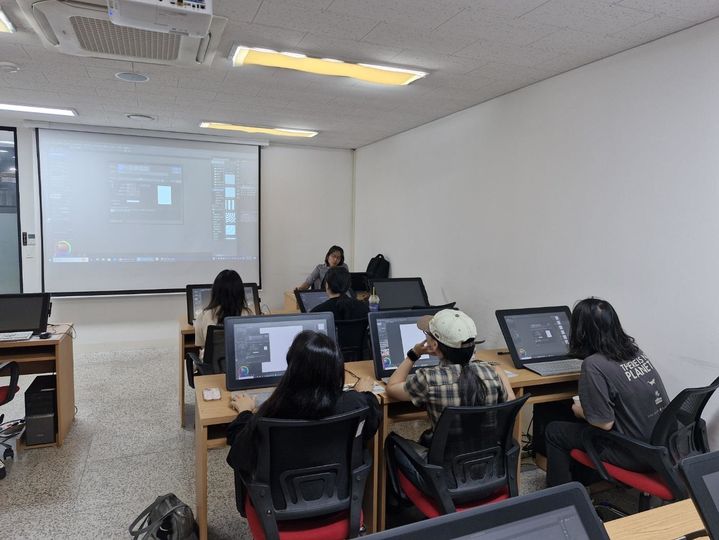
261, 498
432, 475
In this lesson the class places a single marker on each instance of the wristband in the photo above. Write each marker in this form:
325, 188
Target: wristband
413, 356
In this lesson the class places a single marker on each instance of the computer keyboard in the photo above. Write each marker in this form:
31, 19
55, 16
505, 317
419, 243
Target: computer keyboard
556, 367
260, 397
15, 336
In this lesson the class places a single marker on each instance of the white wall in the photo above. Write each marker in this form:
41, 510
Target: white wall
603, 181
306, 201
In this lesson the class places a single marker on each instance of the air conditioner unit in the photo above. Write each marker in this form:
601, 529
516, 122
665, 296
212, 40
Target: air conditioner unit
187, 17
83, 28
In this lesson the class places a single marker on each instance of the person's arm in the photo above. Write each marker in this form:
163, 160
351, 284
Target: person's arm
395, 386
595, 396
505, 382
314, 275
200, 327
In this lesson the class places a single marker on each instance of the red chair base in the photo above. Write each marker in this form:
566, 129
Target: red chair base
430, 509
646, 482
332, 527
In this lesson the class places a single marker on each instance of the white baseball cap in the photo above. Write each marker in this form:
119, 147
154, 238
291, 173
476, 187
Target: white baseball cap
450, 327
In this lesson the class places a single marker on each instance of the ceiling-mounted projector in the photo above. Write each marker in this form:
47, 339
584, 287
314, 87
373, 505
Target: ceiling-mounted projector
187, 17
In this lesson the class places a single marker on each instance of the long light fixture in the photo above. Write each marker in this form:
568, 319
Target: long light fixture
282, 132
324, 66
5, 24
38, 110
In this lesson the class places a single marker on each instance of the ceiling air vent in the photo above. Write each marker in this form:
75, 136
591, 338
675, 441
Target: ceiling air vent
84, 29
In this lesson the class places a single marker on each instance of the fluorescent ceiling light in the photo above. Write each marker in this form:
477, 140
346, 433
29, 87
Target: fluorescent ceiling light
282, 132
38, 110
5, 24
325, 66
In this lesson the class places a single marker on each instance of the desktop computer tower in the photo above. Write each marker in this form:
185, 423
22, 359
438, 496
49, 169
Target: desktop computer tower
40, 412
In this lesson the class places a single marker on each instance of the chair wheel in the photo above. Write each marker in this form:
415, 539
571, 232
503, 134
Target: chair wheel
8, 453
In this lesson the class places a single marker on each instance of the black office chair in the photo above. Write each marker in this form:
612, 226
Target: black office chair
353, 338
471, 461
213, 359
7, 393
680, 432
313, 490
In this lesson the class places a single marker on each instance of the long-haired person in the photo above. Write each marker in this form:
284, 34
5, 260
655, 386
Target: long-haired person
310, 389
619, 389
456, 380
227, 299
316, 280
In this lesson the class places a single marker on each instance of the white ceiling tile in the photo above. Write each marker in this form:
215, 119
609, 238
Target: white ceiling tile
506, 8
570, 41
483, 25
407, 37
286, 14
425, 14
656, 27
594, 17
688, 10
432, 62
236, 11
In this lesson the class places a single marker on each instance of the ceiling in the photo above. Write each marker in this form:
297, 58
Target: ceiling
474, 50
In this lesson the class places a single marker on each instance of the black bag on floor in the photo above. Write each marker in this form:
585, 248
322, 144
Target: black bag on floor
168, 518
378, 267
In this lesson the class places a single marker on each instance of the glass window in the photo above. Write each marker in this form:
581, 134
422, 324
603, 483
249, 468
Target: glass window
10, 273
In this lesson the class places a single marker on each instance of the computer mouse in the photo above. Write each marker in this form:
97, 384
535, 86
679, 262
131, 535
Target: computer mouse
44, 335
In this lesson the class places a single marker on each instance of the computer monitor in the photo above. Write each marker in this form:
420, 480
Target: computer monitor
535, 334
560, 512
198, 297
400, 293
702, 478
256, 347
392, 333
308, 300
23, 312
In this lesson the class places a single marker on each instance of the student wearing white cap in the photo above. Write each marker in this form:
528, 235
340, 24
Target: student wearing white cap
457, 380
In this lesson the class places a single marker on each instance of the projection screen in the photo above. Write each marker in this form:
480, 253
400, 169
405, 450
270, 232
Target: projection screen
136, 214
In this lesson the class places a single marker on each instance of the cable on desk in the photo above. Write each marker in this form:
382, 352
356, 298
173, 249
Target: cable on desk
70, 330
353, 375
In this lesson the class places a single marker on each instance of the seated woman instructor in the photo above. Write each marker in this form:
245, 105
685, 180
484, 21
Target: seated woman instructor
316, 280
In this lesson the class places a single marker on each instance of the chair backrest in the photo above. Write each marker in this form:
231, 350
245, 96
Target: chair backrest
351, 337
214, 354
8, 392
450, 305
680, 427
315, 477
471, 444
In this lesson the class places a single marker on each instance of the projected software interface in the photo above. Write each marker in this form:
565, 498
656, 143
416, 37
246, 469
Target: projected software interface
396, 336
539, 335
261, 347
124, 212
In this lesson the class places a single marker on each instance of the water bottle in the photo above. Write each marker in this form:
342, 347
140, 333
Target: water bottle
373, 301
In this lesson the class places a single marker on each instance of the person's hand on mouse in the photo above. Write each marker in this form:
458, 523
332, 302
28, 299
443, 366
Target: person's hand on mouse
242, 402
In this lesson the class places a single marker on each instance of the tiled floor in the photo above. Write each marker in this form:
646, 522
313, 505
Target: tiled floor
125, 448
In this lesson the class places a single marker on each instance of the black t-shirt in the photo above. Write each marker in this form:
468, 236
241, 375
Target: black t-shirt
343, 307
631, 394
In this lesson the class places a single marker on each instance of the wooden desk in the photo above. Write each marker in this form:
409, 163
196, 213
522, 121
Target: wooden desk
543, 389
210, 418
53, 355
664, 523
187, 344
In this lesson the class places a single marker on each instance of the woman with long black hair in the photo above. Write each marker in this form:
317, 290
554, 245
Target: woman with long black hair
619, 389
310, 389
227, 299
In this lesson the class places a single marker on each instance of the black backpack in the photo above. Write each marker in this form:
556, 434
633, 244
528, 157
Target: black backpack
378, 267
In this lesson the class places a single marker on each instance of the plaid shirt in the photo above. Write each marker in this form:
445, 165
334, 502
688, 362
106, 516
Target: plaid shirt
438, 387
